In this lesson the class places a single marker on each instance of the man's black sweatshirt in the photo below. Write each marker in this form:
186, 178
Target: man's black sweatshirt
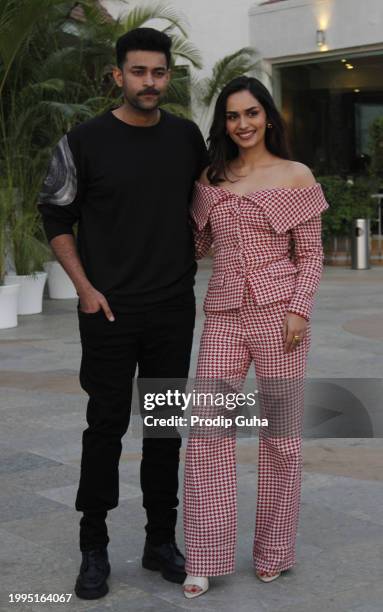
129, 188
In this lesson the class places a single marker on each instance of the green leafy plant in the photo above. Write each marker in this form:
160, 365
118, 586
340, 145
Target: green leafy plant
376, 147
21, 245
4, 225
28, 249
346, 202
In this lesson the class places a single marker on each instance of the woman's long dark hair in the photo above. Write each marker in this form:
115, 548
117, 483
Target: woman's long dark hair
222, 149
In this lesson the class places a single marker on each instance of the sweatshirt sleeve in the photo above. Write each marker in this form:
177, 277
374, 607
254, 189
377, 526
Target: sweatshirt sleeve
61, 194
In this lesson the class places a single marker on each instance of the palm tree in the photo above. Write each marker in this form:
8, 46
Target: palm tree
17, 20
28, 125
206, 90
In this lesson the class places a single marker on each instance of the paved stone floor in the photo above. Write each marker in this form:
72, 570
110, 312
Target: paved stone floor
340, 540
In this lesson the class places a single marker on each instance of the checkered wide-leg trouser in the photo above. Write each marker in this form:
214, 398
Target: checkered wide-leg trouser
230, 341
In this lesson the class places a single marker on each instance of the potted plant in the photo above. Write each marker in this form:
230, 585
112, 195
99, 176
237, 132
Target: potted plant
348, 201
60, 286
8, 293
376, 169
376, 148
27, 253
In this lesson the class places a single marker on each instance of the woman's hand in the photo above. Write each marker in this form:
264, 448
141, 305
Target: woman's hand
293, 326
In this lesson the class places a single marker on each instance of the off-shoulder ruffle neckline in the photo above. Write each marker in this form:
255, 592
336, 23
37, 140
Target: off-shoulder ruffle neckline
259, 191
299, 204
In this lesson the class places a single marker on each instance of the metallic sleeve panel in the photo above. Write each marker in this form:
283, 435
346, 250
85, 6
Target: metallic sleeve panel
60, 184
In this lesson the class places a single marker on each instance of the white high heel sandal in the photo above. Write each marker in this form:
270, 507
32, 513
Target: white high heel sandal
197, 581
266, 578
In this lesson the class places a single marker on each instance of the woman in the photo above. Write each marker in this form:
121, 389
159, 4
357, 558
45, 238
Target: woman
253, 203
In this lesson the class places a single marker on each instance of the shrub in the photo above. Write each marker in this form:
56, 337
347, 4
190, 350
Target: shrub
347, 202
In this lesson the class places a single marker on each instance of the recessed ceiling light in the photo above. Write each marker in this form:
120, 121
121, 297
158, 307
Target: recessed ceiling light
357, 90
343, 60
349, 66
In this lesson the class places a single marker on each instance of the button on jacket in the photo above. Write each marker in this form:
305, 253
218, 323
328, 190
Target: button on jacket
252, 237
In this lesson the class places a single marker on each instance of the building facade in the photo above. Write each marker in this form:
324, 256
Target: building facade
323, 60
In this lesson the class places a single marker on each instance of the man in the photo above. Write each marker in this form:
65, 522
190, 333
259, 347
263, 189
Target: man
126, 178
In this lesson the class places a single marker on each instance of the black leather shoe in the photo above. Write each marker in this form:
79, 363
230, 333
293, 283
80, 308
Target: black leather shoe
94, 570
167, 559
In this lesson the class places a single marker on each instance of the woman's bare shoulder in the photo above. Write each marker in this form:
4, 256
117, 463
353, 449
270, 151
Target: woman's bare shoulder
300, 174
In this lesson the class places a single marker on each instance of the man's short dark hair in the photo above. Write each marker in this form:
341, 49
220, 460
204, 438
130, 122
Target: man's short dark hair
143, 39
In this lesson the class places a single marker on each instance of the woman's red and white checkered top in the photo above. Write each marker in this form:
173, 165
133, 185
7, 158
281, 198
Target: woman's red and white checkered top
252, 236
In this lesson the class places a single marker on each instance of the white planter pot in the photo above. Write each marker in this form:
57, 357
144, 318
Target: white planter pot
31, 291
60, 285
8, 305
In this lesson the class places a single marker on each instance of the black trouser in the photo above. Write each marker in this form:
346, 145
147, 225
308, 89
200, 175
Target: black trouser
160, 342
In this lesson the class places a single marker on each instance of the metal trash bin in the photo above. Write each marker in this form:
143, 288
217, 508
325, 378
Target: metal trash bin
360, 244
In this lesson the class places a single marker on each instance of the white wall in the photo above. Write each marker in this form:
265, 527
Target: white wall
289, 28
216, 27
